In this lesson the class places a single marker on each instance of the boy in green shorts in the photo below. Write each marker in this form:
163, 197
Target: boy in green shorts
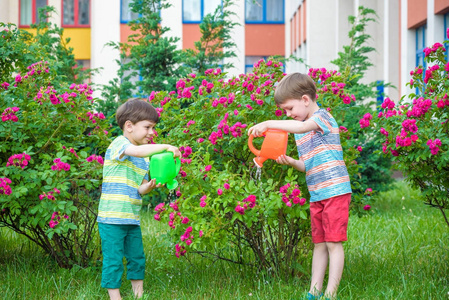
125, 179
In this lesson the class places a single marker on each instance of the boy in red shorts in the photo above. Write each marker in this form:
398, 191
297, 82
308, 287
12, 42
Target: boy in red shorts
321, 157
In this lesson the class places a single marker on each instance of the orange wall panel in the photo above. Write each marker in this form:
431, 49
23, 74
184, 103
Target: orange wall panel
299, 41
125, 31
441, 6
416, 13
293, 33
190, 34
304, 23
264, 39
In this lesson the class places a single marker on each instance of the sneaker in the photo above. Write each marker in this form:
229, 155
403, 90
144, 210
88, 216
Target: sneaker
313, 297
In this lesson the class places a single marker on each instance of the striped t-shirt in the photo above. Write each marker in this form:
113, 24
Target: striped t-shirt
120, 202
326, 173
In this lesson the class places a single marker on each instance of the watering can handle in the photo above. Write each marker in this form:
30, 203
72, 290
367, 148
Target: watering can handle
251, 146
177, 165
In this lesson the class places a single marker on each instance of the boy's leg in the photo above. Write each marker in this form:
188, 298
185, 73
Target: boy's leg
336, 264
114, 294
319, 266
112, 239
135, 259
137, 286
320, 253
335, 223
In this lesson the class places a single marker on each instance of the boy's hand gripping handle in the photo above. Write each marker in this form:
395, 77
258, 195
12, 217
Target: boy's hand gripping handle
251, 146
177, 165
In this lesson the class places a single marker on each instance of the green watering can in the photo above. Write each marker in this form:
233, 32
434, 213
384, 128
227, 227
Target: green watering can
164, 169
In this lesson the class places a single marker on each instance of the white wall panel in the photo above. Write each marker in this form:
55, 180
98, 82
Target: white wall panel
105, 26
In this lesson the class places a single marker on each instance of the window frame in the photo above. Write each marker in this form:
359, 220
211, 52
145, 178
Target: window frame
420, 51
201, 13
264, 14
445, 38
33, 14
380, 90
76, 16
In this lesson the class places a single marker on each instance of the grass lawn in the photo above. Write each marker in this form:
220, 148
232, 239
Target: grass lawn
399, 252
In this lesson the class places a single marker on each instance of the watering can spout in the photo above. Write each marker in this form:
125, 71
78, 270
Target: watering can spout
259, 161
172, 184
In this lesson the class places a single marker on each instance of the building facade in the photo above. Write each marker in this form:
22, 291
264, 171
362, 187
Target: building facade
313, 30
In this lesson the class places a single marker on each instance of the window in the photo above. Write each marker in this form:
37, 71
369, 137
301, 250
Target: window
250, 61
75, 13
193, 11
126, 14
420, 44
446, 27
380, 92
29, 11
131, 76
83, 63
264, 11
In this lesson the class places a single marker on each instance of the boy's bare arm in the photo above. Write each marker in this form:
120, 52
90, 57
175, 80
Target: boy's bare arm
298, 164
292, 126
150, 149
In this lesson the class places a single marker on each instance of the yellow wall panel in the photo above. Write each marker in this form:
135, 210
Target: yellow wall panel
79, 41
30, 30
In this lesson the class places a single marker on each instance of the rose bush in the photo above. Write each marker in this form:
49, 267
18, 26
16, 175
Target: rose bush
415, 130
223, 207
50, 139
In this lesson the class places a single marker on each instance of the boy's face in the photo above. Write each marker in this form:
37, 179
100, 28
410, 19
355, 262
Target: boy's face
297, 109
139, 133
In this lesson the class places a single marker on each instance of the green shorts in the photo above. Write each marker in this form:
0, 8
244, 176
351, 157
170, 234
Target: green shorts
118, 241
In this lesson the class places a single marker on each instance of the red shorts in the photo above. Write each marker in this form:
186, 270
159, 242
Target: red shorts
330, 219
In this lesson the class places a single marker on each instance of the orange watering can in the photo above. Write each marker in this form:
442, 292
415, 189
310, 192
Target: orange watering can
273, 146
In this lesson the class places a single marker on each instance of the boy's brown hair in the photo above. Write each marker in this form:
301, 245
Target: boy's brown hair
294, 86
136, 110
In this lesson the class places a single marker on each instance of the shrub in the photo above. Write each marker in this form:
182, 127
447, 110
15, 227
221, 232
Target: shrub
224, 209
50, 138
415, 131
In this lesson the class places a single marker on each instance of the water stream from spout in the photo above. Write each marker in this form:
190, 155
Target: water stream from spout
256, 175
170, 196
